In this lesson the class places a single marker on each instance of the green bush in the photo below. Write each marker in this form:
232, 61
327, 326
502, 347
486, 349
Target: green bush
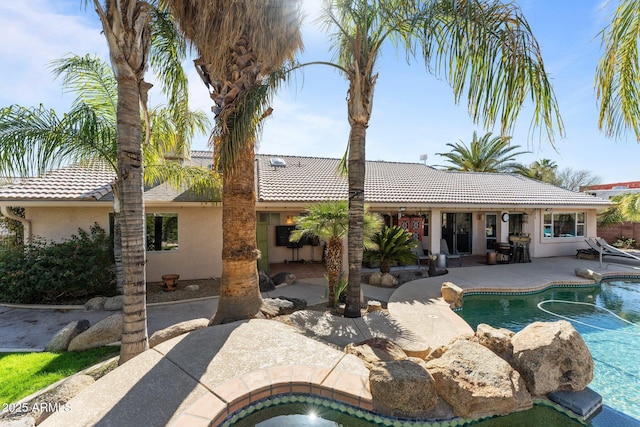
45, 272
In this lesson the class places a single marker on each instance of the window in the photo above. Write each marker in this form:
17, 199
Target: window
425, 231
270, 218
162, 231
564, 224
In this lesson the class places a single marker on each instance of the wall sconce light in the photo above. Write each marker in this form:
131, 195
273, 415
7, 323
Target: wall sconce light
547, 210
480, 216
289, 220
525, 218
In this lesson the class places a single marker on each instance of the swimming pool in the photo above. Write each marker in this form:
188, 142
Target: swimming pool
607, 316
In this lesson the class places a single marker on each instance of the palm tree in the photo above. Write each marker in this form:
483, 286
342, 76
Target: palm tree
543, 170
241, 46
618, 72
483, 47
34, 140
394, 245
486, 154
329, 221
626, 208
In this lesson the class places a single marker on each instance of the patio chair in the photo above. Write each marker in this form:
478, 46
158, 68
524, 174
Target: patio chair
444, 249
418, 251
603, 248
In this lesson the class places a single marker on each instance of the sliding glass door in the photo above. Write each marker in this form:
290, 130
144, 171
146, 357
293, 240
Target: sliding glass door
456, 230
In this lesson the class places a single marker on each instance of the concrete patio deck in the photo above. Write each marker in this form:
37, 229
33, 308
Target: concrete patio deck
200, 378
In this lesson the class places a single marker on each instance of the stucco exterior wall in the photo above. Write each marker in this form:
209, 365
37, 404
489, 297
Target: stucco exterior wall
199, 253
59, 223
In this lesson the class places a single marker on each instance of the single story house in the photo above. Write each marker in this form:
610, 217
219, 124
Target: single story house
471, 211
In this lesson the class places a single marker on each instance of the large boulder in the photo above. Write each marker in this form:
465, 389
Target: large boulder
283, 278
60, 341
497, 340
272, 307
452, 294
95, 303
478, 383
265, 282
178, 329
403, 388
552, 356
104, 332
375, 350
114, 303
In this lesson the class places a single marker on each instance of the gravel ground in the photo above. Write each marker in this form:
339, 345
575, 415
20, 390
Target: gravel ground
208, 288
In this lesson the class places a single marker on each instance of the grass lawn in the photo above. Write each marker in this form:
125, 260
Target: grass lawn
24, 373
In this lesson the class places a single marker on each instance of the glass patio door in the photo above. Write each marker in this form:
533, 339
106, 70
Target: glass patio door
490, 230
456, 230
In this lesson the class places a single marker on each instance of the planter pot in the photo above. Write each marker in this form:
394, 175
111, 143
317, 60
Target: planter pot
170, 282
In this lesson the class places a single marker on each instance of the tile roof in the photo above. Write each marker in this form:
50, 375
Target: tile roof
74, 182
312, 179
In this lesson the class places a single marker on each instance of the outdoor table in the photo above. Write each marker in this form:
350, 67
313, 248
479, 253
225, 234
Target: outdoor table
520, 248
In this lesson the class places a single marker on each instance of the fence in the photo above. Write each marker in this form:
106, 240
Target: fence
613, 232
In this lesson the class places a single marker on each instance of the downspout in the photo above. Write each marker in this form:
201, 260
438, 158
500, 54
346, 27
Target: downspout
26, 224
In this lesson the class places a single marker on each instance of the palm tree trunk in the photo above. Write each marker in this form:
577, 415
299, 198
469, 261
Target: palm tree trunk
130, 168
239, 289
356, 216
333, 262
117, 241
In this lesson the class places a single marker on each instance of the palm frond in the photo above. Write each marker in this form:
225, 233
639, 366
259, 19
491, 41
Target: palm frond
618, 74
488, 53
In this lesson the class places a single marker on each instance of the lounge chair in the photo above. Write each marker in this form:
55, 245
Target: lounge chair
603, 248
418, 251
444, 249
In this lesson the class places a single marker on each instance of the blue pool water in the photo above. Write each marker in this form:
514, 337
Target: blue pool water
607, 316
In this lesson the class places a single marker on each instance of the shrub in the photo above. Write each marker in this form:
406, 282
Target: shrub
45, 272
625, 243
393, 246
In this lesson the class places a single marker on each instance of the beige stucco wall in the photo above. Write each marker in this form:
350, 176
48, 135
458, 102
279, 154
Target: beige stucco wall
58, 223
199, 253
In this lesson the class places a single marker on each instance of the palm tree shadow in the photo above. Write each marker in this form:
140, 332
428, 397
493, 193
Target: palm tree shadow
179, 372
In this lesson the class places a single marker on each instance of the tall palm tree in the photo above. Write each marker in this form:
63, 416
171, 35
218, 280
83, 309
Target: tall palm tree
240, 45
484, 48
543, 170
618, 72
34, 140
486, 154
329, 221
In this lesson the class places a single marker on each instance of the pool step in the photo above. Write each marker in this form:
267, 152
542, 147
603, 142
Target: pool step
584, 403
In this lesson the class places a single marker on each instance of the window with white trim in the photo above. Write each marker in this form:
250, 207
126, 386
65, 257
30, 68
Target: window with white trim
563, 224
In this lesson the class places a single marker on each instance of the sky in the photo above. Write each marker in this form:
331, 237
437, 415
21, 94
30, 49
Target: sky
413, 111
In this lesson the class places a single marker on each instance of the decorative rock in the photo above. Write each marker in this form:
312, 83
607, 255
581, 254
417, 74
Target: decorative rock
176, 330
374, 306
96, 303
272, 307
63, 337
61, 395
388, 281
552, 356
114, 303
284, 278
587, 273
192, 288
266, 284
375, 279
104, 332
496, 340
452, 294
376, 350
403, 388
478, 383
